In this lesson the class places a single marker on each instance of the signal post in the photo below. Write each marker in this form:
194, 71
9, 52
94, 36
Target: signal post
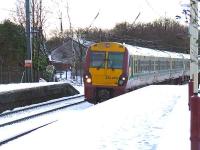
194, 99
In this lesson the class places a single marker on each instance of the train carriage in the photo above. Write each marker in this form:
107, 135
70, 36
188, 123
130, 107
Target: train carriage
113, 68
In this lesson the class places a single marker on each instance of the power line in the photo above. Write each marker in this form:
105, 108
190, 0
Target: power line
136, 18
150, 6
94, 19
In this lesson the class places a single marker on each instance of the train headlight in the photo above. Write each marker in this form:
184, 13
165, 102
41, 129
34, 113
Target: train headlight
88, 78
122, 80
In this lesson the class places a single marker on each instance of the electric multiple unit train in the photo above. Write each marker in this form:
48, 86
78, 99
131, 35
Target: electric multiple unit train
113, 68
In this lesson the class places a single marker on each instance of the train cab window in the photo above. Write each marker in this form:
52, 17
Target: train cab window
173, 64
115, 60
97, 59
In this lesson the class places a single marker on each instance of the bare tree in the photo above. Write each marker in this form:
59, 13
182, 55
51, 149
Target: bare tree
38, 13
19, 16
38, 18
78, 36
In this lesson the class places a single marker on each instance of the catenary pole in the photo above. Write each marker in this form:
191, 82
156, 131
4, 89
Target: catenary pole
28, 61
194, 99
194, 44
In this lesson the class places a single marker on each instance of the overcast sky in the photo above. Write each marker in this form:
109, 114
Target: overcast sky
82, 12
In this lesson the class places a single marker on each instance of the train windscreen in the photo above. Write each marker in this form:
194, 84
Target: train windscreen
97, 59
115, 60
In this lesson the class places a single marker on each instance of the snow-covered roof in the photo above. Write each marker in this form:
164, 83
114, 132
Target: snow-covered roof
176, 55
84, 42
186, 56
142, 51
49, 56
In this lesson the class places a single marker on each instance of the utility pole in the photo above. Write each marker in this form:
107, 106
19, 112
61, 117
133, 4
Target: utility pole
194, 100
193, 28
61, 25
28, 61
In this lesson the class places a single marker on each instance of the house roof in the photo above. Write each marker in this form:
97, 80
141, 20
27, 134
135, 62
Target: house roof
65, 52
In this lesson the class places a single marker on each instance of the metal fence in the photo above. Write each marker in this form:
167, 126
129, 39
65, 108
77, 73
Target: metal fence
16, 74
10, 74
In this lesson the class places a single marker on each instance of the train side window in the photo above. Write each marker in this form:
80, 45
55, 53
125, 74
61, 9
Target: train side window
131, 65
139, 66
188, 64
168, 65
157, 64
173, 64
132, 70
135, 66
162, 65
150, 65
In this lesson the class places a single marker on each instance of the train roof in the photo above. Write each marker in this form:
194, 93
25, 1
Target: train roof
186, 56
142, 51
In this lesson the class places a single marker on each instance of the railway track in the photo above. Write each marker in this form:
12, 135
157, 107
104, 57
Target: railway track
40, 105
38, 109
23, 133
23, 117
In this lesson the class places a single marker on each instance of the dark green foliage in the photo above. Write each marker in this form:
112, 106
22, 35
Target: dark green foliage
12, 43
12, 52
160, 34
40, 62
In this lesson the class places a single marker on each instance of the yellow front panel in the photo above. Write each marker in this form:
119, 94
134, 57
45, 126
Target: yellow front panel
112, 76
97, 76
107, 77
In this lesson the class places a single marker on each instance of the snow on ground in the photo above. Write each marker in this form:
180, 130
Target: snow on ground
16, 86
61, 77
152, 118
177, 132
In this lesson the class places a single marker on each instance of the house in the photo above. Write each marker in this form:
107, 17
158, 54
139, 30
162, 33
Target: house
70, 53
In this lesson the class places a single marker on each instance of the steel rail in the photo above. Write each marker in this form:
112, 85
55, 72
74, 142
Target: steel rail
24, 133
39, 114
39, 105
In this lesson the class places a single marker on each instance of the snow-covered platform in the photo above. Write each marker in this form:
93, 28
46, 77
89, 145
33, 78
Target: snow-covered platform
16, 95
151, 118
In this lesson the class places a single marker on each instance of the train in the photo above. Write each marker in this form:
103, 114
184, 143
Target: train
112, 69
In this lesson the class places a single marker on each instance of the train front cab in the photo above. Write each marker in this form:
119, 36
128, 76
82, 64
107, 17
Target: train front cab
105, 73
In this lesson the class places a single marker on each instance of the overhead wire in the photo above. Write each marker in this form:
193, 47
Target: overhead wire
150, 6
